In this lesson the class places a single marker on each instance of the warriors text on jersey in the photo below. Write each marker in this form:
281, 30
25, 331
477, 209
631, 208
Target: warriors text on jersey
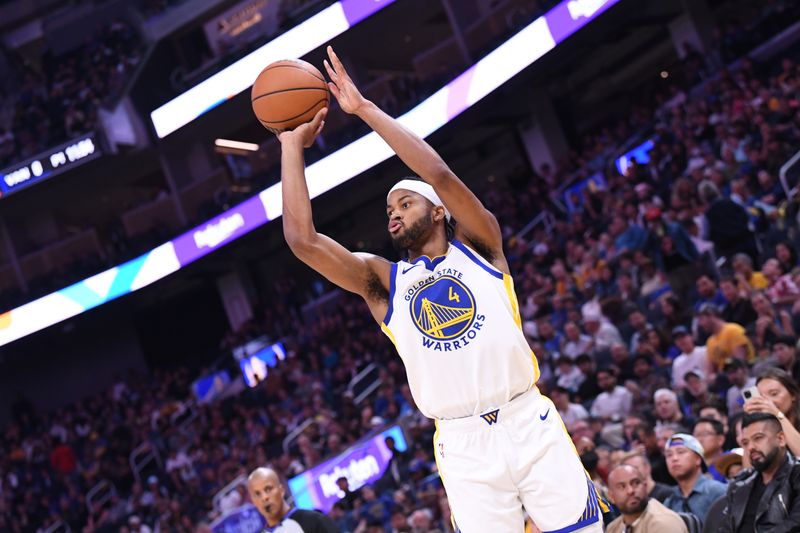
455, 322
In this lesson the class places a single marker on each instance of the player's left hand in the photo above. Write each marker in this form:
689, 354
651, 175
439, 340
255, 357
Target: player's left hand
347, 94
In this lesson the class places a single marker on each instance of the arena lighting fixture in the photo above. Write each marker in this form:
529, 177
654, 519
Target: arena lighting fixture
518, 52
232, 80
236, 145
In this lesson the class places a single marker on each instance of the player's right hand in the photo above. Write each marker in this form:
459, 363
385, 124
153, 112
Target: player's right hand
305, 134
343, 88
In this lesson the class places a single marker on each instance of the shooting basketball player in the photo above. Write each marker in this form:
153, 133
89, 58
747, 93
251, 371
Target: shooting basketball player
449, 308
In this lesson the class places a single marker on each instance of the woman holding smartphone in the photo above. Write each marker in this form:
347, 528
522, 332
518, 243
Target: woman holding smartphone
777, 394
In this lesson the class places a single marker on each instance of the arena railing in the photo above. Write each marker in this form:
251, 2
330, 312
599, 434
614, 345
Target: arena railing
503, 63
790, 183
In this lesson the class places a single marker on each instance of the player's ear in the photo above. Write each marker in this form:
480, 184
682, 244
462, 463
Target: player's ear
438, 213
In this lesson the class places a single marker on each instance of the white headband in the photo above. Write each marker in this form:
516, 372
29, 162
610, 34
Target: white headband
421, 188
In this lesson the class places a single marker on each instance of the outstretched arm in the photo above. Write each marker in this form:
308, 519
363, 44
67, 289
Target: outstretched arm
362, 274
474, 220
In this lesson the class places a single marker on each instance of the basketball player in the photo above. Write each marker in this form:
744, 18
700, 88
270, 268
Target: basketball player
450, 309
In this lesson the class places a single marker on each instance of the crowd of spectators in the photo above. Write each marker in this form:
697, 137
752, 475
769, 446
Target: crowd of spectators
59, 98
651, 307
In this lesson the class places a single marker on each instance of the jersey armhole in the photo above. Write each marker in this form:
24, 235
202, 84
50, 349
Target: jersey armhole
472, 256
392, 286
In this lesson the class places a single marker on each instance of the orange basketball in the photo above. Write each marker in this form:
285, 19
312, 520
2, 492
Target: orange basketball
288, 93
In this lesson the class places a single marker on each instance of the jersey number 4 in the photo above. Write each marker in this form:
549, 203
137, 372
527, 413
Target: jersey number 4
453, 296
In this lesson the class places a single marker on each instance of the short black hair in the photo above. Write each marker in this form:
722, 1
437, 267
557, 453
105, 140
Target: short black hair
752, 418
716, 425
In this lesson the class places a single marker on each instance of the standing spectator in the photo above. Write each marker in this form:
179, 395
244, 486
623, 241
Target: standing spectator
728, 223
726, 340
63, 457
615, 401
691, 358
738, 308
768, 497
685, 462
640, 513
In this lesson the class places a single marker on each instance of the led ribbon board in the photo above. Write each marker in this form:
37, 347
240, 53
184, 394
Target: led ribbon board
227, 83
520, 51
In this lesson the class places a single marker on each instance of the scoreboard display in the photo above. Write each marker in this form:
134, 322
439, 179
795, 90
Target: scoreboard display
51, 163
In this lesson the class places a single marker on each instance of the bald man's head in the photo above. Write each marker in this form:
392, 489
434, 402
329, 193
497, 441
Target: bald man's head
627, 489
267, 494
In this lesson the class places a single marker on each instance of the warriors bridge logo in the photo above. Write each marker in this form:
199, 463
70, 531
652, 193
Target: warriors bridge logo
444, 310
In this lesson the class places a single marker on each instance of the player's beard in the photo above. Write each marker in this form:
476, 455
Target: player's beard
413, 234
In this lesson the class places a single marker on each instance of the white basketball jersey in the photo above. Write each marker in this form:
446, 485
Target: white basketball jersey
455, 322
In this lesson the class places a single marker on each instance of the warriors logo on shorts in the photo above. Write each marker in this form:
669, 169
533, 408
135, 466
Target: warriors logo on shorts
444, 309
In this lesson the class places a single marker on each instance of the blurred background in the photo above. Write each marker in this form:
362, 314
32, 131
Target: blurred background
158, 340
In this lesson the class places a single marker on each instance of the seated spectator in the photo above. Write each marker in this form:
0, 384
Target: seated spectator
771, 322
668, 410
615, 401
781, 290
711, 435
691, 357
570, 412
726, 340
739, 377
767, 498
784, 356
685, 462
779, 395
603, 333
729, 464
749, 279
575, 342
627, 490
656, 490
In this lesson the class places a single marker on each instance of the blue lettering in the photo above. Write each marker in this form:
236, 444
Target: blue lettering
437, 347
446, 346
471, 334
477, 325
456, 345
480, 317
427, 343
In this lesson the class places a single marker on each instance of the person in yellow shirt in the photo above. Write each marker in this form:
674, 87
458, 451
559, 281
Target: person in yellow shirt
727, 340
752, 279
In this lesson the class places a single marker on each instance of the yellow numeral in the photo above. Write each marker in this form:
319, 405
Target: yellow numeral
453, 296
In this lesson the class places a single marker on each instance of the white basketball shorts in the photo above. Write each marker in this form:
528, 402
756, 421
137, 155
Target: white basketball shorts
513, 457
